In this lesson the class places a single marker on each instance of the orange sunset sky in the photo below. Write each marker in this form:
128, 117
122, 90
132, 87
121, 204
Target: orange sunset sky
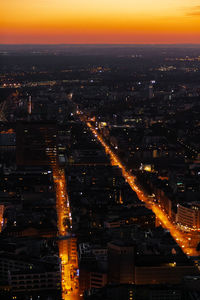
99, 21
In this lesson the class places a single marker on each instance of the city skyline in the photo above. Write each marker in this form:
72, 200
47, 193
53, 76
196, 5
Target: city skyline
100, 172
99, 22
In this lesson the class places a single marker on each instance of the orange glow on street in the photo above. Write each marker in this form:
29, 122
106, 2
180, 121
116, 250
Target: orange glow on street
69, 261
187, 241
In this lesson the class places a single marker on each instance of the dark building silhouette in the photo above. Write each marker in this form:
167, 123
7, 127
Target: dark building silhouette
36, 143
121, 262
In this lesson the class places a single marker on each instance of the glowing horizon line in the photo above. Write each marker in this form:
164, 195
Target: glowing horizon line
102, 43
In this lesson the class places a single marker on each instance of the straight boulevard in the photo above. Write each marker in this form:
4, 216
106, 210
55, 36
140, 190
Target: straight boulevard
67, 243
187, 241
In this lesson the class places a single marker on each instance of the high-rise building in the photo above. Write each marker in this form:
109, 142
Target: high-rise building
188, 215
151, 93
29, 105
36, 143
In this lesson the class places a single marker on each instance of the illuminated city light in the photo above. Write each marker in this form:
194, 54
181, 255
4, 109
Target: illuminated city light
68, 267
188, 244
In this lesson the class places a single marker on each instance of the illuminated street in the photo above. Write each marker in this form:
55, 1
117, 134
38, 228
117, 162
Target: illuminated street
188, 241
100, 150
69, 262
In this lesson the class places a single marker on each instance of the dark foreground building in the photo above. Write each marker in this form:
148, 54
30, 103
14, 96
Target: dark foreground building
36, 143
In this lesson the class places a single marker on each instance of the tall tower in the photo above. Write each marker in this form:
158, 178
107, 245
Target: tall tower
29, 105
151, 94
